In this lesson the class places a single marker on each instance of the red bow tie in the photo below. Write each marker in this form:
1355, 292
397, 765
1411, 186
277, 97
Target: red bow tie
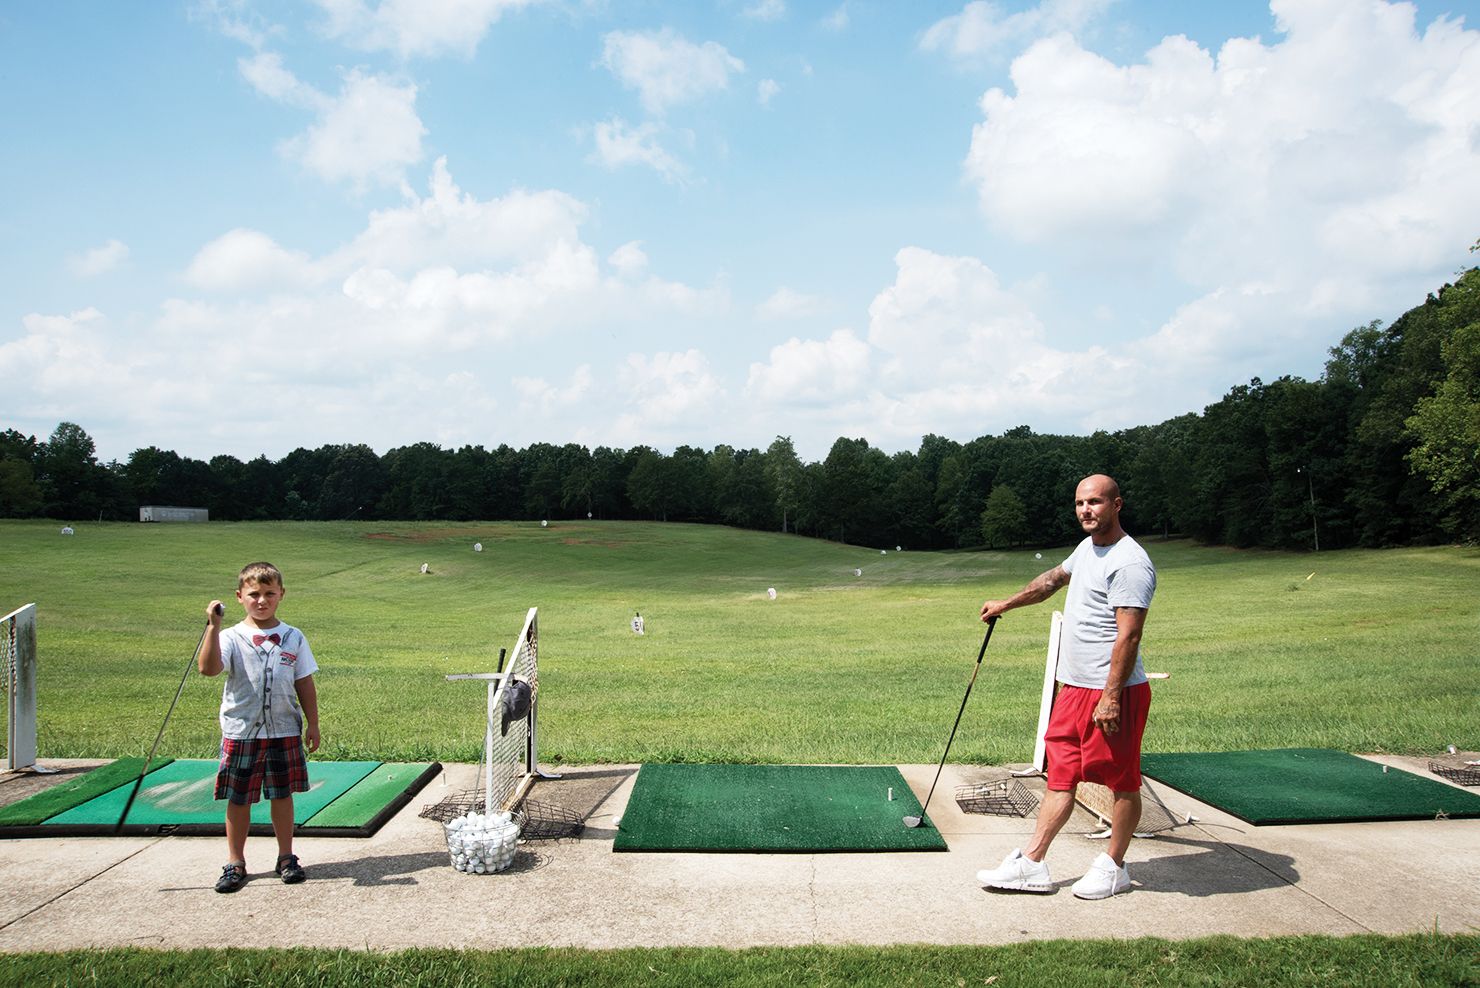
259, 639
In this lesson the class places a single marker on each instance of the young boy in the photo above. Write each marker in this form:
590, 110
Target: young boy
269, 709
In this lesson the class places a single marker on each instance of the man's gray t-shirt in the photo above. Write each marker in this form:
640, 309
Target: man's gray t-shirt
1102, 579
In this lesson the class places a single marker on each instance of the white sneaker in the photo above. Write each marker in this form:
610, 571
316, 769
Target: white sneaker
1017, 873
1104, 879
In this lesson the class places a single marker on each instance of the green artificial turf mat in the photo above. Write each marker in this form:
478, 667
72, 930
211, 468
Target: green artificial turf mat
772, 808
1307, 785
183, 793
62, 797
379, 794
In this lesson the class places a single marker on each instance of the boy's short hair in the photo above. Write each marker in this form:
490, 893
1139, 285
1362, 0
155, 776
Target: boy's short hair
259, 573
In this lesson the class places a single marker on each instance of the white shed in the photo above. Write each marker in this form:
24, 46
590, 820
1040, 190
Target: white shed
163, 512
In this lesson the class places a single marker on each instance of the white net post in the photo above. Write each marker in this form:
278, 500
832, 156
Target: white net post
1098, 800
1050, 686
18, 644
510, 758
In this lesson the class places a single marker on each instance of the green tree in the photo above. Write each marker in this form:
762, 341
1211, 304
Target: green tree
72, 482
855, 476
609, 483
232, 496
20, 495
417, 485
1445, 430
784, 471
909, 504
1004, 520
355, 482
577, 481
263, 492
952, 500
303, 472
650, 484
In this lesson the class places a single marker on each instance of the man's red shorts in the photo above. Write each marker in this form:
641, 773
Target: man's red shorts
1078, 751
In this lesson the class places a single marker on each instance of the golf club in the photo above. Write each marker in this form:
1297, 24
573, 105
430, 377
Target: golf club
220, 609
915, 821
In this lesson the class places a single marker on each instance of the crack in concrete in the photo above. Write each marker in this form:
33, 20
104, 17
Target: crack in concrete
68, 891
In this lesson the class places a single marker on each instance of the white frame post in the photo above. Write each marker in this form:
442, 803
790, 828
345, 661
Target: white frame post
20, 724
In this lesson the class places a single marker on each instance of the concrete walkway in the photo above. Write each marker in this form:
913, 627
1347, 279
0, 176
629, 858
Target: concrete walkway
397, 890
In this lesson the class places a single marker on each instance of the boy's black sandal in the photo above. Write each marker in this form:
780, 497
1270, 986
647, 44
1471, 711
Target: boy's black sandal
233, 877
290, 870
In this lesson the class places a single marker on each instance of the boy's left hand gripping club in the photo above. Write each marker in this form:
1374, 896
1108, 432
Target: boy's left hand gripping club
220, 609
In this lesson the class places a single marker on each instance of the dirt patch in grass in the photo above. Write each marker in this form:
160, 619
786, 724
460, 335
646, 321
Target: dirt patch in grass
424, 535
604, 543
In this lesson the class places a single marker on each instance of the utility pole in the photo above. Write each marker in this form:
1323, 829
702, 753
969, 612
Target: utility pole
1315, 534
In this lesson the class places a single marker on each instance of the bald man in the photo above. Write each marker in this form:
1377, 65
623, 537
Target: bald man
1099, 713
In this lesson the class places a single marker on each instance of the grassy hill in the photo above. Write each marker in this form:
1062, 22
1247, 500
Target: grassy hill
1356, 650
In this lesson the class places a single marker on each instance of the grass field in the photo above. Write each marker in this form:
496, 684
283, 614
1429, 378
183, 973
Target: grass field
1360, 651
1418, 961
1370, 651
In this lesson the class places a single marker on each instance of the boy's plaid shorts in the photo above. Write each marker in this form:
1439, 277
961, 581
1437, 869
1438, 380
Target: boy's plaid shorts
251, 769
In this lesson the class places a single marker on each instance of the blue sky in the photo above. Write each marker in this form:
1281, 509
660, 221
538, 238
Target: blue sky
243, 227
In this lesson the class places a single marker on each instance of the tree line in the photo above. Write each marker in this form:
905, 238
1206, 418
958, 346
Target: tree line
1383, 449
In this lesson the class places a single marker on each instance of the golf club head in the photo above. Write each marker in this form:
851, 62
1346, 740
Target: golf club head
913, 821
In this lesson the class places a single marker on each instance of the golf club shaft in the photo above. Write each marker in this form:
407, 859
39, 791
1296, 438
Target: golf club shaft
992, 623
194, 658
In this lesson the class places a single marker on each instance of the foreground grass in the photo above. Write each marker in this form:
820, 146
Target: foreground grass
1388, 962
1369, 651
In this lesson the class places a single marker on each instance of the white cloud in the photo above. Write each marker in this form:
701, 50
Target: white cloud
368, 134
449, 227
98, 260
415, 27
248, 260
449, 318
811, 372
628, 260
983, 28
665, 392
1286, 184
619, 144
235, 19
958, 349
787, 303
267, 74
765, 10
838, 19
61, 364
667, 69
538, 397
766, 91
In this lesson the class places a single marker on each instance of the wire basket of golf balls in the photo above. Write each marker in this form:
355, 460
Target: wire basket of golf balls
1001, 797
483, 844
1462, 767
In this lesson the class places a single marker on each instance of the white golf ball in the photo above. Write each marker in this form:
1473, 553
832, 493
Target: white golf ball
1037, 555
616, 821
477, 546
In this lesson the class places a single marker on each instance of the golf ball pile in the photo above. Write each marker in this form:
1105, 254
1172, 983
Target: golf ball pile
481, 844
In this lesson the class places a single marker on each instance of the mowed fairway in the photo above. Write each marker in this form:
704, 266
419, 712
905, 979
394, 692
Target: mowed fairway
1376, 651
